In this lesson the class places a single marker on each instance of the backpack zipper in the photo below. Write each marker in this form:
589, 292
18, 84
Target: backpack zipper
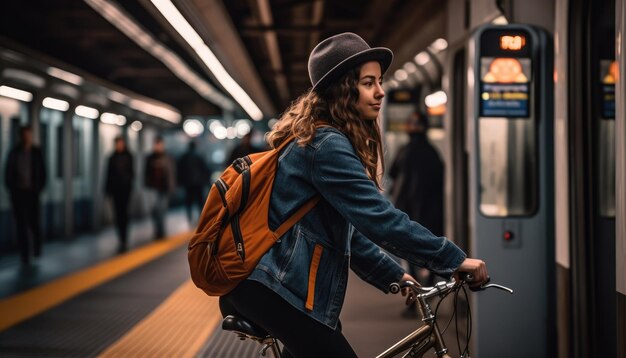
237, 237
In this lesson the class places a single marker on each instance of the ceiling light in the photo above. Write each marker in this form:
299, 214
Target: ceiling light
127, 25
400, 75
438, 45
112, 118
176, 19
436, 99
65, 76
24, 77
136, 126
87, 112
57, 104
193, 127
410, 67
15, 93
500, 20
422, 58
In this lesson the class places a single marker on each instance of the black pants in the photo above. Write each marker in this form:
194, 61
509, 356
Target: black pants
302, 335
26, 213
193, 195
120, 207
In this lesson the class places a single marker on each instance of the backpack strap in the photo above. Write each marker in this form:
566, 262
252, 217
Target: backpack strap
299, 214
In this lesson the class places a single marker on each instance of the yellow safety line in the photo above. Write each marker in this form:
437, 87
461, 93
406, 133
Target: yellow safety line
177, 328
22, 306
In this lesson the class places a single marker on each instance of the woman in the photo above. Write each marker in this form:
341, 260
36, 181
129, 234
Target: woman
297, 290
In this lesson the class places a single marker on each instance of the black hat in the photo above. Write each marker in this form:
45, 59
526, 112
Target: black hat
332, 57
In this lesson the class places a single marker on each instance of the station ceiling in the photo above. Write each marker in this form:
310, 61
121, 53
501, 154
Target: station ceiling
263, 44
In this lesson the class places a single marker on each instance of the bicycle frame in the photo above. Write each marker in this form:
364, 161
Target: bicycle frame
423, 339
417, 343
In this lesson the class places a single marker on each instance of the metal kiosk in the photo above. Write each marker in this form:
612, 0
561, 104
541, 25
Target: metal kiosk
511, 185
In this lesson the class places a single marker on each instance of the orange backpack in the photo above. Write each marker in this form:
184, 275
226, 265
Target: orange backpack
233, 231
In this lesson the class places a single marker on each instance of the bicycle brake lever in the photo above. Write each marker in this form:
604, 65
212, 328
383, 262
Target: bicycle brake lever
500, 287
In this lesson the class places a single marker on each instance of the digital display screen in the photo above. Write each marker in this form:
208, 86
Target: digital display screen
608, 75
512, 43
505, 87
400, 105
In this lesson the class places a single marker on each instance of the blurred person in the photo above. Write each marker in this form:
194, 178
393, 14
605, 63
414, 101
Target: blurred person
25, 178
418, 178
242, 149
193, 174
160, 178
119, 183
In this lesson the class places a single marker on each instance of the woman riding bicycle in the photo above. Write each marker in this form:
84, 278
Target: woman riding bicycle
297, 290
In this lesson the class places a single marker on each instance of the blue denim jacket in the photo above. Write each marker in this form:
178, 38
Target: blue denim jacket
345, 230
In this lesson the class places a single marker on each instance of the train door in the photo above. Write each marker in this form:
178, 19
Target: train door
107, 134
54, 194
13, 114
457, 228
82, 172
591, 107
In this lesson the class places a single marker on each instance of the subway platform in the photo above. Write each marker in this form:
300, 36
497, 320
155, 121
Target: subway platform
82, 299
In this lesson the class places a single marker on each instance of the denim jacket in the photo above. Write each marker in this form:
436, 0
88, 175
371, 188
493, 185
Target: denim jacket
308, 266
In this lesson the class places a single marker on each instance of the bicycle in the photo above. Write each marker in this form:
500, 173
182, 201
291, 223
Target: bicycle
426, 337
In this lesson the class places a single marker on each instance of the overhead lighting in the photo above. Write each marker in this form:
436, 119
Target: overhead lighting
436, 99
136, 126
220, 132
242, 127
15, 93
422, 58
118, 97
155, 110
87, 112
176, 19
400, 75
438, 45
500, 20
57, 104
112, 118
24, 77
116, 16
65, 76
193, 127
410, 67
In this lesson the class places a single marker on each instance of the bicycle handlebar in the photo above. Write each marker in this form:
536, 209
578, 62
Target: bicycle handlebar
443, 286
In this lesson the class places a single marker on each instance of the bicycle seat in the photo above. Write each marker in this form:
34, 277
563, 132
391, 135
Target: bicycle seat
240, 325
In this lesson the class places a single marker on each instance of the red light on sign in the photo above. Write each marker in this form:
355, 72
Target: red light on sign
513, 43
508, 236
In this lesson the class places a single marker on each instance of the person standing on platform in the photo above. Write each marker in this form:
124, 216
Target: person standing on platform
242, 149
193, 174
119, 183
160, 178
25, 178
418, 178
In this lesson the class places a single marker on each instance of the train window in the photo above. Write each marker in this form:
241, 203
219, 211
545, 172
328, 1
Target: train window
606, 138
508, 167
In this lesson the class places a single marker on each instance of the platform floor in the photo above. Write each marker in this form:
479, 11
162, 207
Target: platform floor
82, 299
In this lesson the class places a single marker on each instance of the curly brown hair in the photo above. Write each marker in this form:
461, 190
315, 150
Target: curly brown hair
336, 106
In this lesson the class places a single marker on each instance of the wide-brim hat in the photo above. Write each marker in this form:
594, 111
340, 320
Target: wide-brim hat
334, 56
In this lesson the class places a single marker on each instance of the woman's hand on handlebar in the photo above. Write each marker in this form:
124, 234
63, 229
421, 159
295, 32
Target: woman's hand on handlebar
477, 268
407, 291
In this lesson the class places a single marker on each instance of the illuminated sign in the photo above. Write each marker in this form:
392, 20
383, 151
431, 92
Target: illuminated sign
505, 87
512, 43
608, 77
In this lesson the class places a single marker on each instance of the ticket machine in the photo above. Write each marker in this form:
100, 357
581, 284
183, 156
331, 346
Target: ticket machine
510, 82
